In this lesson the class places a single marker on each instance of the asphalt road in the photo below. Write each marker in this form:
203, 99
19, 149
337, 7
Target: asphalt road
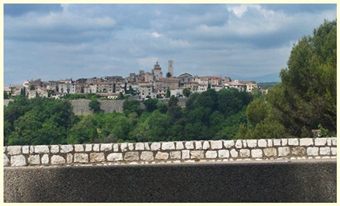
301, 181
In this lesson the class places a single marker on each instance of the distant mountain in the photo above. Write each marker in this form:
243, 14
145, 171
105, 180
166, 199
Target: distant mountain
272, 77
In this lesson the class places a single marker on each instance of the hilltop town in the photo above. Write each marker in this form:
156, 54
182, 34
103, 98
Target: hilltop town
144, 85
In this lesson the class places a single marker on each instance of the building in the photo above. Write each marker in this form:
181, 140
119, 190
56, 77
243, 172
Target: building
170, 67
157, 72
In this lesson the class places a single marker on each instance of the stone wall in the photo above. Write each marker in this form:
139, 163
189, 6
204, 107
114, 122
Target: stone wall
81, 106
170, 152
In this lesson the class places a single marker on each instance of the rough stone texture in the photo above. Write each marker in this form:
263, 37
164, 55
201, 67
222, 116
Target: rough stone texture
252, 143
223, 153
306, 141
39, 149
6, 160
45, 159
54, 149
325, 151
270, 152
234, 153
284, 142
211, 154
13, 150
147, 156
88, 148
198, 145
139, 146
244, 142
105, 147
25, 149
115, 147
66, 148
283, 151
244, 153
179, 145
123, 147
312, 151
79, 148
146, 146
81, 157
228, 144
329, 142
320, 141
131, 156
333, 150
162, 156
256, 153
216, 144
277, 142
57, 160
130, 146
96, 147
298, 151
175, 155
197, 154
293, 142
69, 158
18, 160
262, 143
189, 145
206, 145
33, 160
114, 157
334, 142
97, 157
168, 146
31, 149
155, 146
185, 154
269, 142
238, 144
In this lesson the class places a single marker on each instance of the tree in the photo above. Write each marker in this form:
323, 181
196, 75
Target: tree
257, 111
186, 92
150, 104
130, 106
95, 106
167, 95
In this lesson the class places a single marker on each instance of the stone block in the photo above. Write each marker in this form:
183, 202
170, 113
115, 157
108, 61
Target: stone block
139, 146
320, 141
131, 156
79, 148
33, 160
123, 147
223, 153
277, 142
6, 160
333, 150
244, 153
147, 156
298, 151
185, 154
162, 156
39, 149
13, 150
334, 142
179, 145
175, 155
306, 141
284, 142
155, 146
234, 153
69, 158
66, 148
228, 143
130, 146
211, 154
146, 146
283, 151
329, 141
197, 154
270, 152
45, 159
81, 158
198, 145
252, 143
325, 151
244, 143
256, 153
269, 142
189, 145
216, 144
106, 147
57, 160
293, 141
206, 145
238, 144
25, 149
18, 160
97, 157
114, 157
262, 143
115, 147
54, 149
168, 146
31, 149
312, 151
88, 147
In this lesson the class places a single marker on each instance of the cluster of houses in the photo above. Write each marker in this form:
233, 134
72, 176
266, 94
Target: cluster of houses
145, 85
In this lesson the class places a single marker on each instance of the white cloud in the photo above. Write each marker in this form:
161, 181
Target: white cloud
156, 34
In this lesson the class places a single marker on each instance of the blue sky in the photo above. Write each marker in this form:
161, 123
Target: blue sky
250, 42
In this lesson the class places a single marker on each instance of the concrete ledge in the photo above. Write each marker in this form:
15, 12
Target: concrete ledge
276, 181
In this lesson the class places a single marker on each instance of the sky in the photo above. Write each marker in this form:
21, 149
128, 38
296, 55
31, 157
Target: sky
247, 42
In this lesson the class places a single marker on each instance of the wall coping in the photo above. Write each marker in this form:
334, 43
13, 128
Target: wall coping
196, 151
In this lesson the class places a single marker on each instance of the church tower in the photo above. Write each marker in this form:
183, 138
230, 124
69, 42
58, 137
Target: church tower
170, 67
